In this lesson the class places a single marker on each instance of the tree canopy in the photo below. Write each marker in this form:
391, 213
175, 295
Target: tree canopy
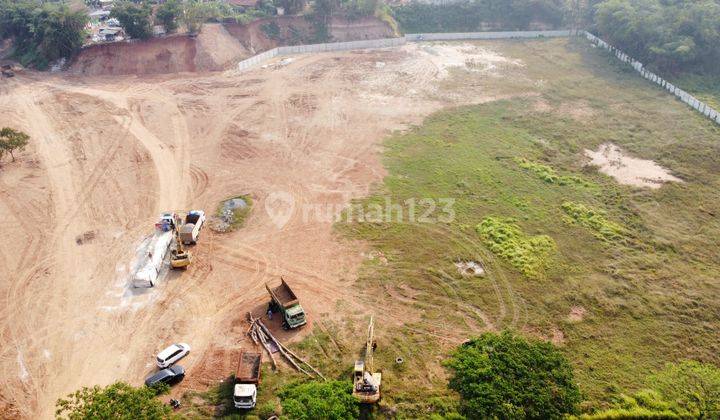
332, 400
169, 14
43, 32
508, 377
11, 140
116, 401
476, 15
134, 18
673, 36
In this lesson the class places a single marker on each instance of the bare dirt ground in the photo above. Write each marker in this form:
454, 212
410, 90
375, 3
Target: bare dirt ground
108, 154
628, 170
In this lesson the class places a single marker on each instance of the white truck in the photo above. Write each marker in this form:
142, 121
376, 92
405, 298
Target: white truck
247, 379
190, 230
154, 251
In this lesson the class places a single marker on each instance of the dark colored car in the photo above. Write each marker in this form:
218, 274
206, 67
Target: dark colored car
168, 376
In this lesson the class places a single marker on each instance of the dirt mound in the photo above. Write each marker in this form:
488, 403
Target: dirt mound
214, 49
217, 49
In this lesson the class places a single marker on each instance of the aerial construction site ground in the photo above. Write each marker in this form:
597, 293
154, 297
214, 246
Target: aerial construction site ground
544, 132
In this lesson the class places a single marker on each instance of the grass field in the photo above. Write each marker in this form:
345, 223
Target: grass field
638, 266
622, 279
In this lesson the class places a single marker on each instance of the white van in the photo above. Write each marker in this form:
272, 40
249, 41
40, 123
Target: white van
172, 354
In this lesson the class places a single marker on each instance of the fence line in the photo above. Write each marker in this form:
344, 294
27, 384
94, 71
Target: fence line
393, 42
486, 35
698, 105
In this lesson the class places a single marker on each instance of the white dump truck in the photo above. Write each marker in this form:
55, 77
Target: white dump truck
154, 251
247, 379
190, 230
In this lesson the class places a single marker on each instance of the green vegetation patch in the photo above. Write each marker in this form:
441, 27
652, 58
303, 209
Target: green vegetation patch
549, 175
330, 400
232, 213
595, 220
529, 254
505, 376
119, 400
685, 390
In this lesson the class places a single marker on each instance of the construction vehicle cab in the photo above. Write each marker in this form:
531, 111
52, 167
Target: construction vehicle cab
245, 396
180, 257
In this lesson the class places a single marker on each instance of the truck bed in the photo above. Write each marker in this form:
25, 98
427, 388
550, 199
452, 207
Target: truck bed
284, 294
248, 370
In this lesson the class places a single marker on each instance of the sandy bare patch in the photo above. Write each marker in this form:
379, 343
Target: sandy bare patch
470, 268
558, 337
611, 160
465, 56
577, 313
542, 106
577, 110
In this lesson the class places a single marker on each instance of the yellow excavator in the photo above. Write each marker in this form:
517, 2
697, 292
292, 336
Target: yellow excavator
180, 258
366, 383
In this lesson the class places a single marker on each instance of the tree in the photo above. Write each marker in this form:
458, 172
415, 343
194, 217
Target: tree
331, 400
62, 32
11, 140
116, 401
195, 13
168, 14
134, 18
292, 6
673, 36
507, 377
42, 32
692, 385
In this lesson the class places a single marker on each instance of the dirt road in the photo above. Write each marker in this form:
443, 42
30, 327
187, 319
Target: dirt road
107, 155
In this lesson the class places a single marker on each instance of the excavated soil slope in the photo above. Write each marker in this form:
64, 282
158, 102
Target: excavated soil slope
352, 30
214, 49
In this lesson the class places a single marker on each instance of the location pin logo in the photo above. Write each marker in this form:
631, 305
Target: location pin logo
280, 206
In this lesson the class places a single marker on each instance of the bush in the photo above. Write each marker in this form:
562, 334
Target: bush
332, 400
507, 377
549, 175
692, 385
529, 254
646, 404
116, 401
594, 220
